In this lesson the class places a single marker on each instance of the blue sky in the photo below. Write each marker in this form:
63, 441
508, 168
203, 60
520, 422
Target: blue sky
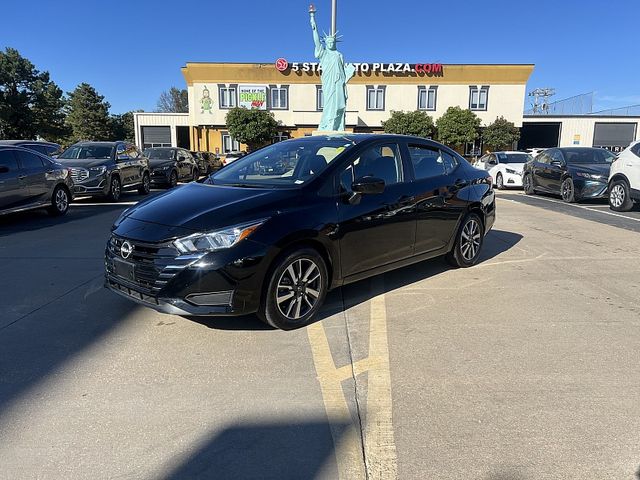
133, 50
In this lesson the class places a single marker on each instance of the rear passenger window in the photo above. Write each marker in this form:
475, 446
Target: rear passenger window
450, 162
636, 149
8, 160
30, 161
427, 162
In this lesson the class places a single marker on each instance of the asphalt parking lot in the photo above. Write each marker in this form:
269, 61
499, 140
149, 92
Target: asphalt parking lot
523, 367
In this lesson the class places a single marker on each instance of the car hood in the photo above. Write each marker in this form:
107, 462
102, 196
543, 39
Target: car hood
157, 163
84, 162
199, 207
593, 168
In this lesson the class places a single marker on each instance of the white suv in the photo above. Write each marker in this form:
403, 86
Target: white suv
624, 179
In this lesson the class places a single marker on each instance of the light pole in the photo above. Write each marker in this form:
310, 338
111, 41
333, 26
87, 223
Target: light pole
334, 9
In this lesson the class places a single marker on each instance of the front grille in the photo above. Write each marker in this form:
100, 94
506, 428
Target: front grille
154, 264
79, 174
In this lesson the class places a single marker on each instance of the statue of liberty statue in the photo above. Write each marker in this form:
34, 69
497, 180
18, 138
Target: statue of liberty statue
335, 75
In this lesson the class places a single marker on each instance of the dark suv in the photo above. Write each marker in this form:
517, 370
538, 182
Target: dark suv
106, 168
171, 165
30, 180
207, 162
47, 148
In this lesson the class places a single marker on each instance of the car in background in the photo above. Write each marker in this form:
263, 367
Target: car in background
353, 206
30, 180
170, 165
505, 167
46, 148
207, 162
574, 173
106, 169
232, 157
624, 179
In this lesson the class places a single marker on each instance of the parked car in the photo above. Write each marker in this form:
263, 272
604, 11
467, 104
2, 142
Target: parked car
46, 148
30, 180
624, 179
505, 167
171, 165
574, 173
106, 168
232, 157
207, 162
352, 207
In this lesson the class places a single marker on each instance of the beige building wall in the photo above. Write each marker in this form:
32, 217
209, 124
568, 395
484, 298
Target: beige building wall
581, 128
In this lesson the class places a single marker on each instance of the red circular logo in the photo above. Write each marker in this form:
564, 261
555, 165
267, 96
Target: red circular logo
282, 64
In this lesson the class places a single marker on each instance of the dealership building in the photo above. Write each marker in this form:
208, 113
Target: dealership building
292, 91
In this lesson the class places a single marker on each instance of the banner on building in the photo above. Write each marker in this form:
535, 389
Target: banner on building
252, 96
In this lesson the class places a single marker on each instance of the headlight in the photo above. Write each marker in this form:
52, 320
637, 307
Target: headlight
217, 240
98, 170
589, 176
511, 171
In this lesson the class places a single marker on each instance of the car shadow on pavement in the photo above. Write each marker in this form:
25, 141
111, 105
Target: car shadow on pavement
282, 450
496, 242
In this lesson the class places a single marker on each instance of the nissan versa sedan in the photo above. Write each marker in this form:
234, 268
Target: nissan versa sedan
574, 173
274, 241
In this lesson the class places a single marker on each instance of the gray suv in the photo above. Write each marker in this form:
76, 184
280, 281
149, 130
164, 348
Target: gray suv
31, 180
106, 168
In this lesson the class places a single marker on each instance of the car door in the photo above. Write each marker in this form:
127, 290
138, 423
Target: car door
136, 163
376, 229
554, 170
539, 174
437, 188
13, 187
124, 165
492, 166
34, 170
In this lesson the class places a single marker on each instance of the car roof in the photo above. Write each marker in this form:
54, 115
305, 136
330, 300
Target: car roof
20, 142
88, 142
509, 151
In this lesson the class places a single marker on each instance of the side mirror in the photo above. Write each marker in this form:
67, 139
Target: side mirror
368, 185
492, 162
4, 169
556, 163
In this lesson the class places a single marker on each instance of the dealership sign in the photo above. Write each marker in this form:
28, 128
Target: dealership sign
428, 69
252, 96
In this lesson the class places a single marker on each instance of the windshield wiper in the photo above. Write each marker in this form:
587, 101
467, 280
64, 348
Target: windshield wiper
244, 185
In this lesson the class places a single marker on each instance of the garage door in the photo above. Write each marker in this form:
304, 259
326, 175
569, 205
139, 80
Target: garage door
614, 136
156, 137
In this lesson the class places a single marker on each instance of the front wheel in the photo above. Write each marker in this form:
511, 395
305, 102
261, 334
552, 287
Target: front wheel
173, 179
145, 186
500, 182
59, 201
196, 174
527, 185
115, 189
620, 196
469, 239
296, 290
568, 190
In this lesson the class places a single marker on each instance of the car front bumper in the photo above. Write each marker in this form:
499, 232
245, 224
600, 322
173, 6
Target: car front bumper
160, 177
590, 189
92, 186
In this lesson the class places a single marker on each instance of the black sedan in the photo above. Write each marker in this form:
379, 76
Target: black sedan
254, 239
574, 173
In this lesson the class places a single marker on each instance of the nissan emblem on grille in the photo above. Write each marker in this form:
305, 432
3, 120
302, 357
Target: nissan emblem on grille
125, 249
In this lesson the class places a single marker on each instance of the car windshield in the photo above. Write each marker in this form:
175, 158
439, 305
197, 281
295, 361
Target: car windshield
87, 151
159, 153
588, 155
513, 157
292, 162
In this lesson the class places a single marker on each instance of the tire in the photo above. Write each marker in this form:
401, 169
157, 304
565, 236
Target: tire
173, 179
145, 186
468, 244
620, 196
297, 305
527, 185
568, 190
196, 174
59, 201
499, 181
115, 189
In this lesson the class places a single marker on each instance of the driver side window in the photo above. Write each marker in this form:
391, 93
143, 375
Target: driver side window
380, 161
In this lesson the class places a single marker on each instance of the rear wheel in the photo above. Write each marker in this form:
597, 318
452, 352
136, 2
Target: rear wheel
469, 239
115, 189
145, 186
568, 190
527, 184
500, 181
620, 196
59, 201
296, 290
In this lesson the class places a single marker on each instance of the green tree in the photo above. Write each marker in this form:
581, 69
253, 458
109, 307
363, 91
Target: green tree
416, 123
458, 126
174, 100
88, 115
122, 127
31, 105
501, 134
255, 128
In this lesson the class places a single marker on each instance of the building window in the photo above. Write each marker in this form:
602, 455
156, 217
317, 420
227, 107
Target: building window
229, 144
227, 96
281, 137
375, 98
279, 98
478, 98
427, 98
319, 98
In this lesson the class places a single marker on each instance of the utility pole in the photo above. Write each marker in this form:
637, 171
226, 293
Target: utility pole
334, 8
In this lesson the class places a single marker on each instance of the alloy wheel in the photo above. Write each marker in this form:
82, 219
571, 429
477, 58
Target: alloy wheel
500, 182
567, 190
471, 238
298, 288
62, 200
146, 183
173, 180
617, 195
115, 188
